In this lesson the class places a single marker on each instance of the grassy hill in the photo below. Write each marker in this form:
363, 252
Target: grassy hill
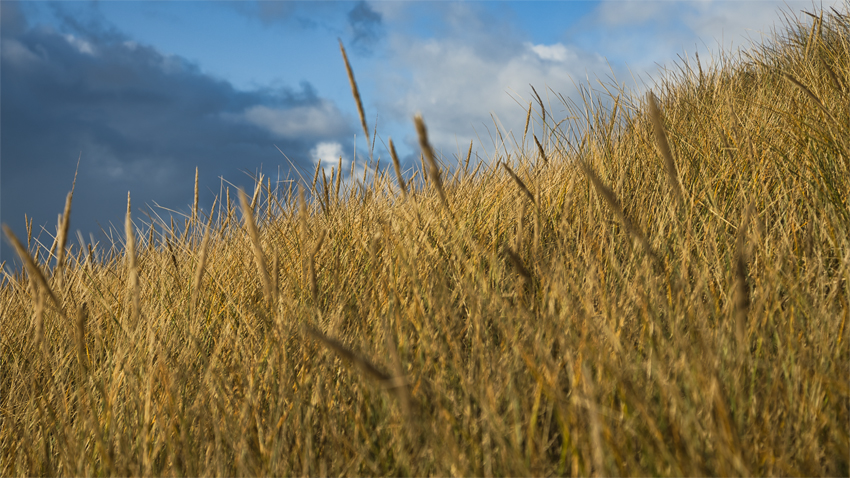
665, 293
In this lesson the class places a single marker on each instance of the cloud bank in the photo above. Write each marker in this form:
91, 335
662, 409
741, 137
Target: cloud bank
140, 120
474, 63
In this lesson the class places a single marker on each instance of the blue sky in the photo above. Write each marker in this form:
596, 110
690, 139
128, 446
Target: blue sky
143, 92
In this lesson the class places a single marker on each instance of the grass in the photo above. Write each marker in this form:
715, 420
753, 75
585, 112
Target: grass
659, 288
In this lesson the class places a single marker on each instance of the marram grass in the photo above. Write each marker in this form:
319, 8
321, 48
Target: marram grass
664, 293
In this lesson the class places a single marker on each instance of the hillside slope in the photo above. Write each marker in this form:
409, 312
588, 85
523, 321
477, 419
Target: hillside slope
666, 293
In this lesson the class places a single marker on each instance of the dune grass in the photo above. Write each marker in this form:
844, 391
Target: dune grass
664, 293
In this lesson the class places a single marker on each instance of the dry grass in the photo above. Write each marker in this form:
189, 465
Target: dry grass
635, 334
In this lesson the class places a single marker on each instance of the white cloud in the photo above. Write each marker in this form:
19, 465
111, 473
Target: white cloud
471, 67
327, 152
457, 81
643, 33
292, 123
556, 52
330, 152
652, 36
81, 45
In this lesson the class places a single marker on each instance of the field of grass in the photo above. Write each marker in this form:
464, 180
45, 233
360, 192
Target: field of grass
664, 293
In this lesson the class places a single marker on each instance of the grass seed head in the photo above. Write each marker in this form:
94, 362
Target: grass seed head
429, 160
355, 92
259, 257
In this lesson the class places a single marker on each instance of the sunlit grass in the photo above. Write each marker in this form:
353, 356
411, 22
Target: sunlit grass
665, 293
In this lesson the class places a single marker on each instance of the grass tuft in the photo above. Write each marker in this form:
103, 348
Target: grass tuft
498, 338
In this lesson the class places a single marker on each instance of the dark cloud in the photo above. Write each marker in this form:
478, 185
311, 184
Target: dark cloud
85, 19
12, 20
366, 27
141, 121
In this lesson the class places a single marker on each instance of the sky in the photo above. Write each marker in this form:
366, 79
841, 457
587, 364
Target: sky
140, 93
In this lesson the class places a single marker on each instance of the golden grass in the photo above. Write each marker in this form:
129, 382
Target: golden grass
664, 147
570, 316
397, 167
355, 92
